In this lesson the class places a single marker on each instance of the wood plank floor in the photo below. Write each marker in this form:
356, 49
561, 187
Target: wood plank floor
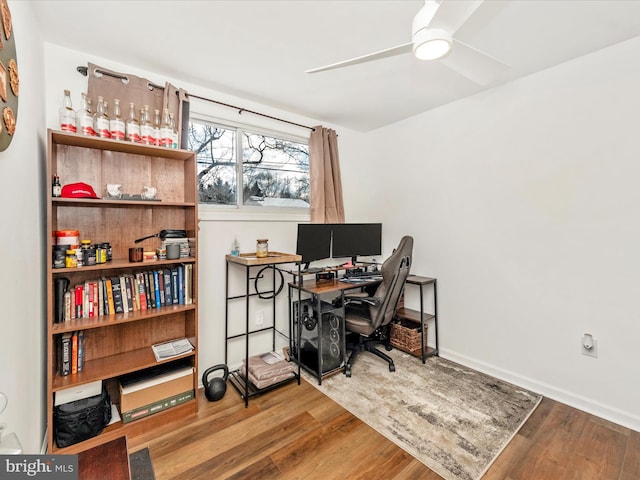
295, 432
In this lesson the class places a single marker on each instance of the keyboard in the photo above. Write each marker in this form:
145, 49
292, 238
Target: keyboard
356, 274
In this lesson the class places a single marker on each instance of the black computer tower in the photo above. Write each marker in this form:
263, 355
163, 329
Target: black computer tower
321, 342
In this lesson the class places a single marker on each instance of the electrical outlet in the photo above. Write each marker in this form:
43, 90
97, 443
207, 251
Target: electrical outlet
259, 318
589, 345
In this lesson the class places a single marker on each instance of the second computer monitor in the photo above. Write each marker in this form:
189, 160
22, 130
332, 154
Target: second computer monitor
356, 239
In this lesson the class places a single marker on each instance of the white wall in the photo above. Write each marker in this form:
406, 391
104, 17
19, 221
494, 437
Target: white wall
22, 289
217, 229
524, 204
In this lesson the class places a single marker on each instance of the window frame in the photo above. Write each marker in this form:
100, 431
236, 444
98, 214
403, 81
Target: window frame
239, 211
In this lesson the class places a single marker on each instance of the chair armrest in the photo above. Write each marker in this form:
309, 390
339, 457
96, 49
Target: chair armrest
357, 299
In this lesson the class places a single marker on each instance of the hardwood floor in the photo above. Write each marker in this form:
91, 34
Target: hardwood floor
295, 432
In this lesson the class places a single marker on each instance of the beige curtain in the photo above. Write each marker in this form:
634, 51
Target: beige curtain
326, 184
137, 90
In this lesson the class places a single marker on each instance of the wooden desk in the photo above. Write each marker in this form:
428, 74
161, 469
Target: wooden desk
109, 461
331, 362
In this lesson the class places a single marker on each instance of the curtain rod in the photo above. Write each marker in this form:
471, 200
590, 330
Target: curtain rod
83, 71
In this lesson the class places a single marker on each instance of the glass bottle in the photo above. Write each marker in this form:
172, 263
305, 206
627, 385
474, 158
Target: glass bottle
146, 127
116, 124
156, 127
132, 125
174, 134
67, 115
85, 117
102, 120
235, 247
56, 188
166, 132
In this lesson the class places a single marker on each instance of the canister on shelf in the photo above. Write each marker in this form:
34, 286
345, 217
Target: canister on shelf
71, 259
59, 256
262, 247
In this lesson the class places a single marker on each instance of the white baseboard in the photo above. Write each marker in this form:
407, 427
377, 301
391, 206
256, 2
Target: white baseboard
626, 419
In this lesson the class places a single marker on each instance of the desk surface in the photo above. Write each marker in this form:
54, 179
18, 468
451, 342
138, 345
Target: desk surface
331, 285
250, 259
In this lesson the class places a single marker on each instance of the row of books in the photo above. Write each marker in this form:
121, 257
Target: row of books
71, 353
130, 292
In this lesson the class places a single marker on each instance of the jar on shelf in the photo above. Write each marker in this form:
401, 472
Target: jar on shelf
262, 247
71, 259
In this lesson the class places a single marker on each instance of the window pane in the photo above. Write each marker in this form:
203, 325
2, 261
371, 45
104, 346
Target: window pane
275, 172
215, 149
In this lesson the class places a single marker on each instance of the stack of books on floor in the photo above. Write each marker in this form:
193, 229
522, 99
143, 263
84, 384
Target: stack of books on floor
268, 369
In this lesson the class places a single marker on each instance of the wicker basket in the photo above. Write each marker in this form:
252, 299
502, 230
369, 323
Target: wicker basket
405, 334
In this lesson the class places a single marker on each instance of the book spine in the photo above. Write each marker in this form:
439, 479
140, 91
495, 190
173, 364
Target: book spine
174, 286
117, 295
161, 288
109, 289
123, 292
142, 292
156, 288
101, 297
95, 298
67, 306
65, 354
156, 407
168, 287
188, 284
74, 352
87, 310
79, 300
80, 350
181, 284
152, 288
147, 288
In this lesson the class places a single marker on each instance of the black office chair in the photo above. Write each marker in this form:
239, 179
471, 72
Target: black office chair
367, 316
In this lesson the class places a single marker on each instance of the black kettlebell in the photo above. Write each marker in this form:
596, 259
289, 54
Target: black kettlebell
215, 389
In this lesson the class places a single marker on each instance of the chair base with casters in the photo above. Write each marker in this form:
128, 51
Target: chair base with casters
364, 344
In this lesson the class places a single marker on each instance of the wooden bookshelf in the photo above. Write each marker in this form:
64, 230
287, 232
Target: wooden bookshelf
120, 343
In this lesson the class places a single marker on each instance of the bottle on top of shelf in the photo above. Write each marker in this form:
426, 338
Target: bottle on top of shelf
156, 127
84, 117
102, 119
132, 125
174, 135
116, 124
146, 127
67, 114
166, 132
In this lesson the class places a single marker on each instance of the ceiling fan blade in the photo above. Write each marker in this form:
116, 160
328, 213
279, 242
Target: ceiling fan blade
453, 14
389, 52
477, 66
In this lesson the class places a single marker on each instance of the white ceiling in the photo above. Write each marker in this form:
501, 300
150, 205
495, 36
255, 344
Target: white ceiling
259, 50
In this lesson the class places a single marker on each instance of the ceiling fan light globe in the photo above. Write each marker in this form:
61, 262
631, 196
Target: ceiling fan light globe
431, 44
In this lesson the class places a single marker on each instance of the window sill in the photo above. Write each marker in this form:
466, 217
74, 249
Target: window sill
208, 213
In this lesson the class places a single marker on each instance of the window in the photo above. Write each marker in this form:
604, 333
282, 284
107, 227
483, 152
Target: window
268, 169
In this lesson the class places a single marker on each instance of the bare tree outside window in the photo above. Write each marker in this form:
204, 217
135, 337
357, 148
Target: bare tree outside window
274, 171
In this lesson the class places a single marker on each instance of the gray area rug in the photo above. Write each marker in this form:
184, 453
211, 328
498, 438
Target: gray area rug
453, 419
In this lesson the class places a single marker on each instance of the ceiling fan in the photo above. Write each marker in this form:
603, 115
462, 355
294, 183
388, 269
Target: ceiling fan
432, 39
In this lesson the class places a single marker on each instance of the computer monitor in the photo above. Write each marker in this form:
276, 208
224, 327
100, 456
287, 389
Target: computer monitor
356, 239
314, 242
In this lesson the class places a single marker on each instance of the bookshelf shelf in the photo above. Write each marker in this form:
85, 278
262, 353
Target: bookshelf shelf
120, 343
